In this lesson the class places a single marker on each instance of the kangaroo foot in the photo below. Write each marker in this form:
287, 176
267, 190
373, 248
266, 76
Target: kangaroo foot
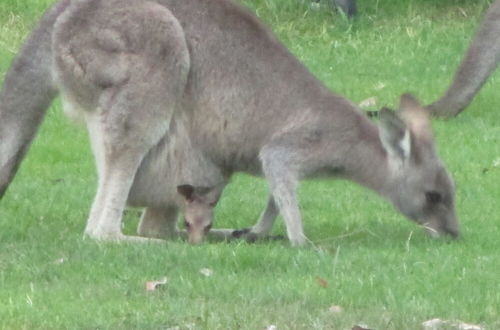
251, 237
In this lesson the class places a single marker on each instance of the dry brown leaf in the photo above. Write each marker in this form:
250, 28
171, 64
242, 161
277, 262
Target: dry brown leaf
322, 282
155, 285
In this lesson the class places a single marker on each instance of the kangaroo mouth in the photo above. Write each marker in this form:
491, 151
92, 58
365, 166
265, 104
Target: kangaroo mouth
435, 233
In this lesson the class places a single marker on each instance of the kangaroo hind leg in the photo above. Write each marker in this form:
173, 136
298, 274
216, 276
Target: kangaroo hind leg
127, 68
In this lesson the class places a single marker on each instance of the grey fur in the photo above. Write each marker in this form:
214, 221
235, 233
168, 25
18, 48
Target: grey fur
129, 66
480, 61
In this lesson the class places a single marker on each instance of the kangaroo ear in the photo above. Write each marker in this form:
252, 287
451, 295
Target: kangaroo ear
408, 101
186, 191
394, 135
416, 117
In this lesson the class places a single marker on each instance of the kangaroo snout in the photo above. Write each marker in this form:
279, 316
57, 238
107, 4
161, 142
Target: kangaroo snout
195, 237
452, 232
440, 227
196, 232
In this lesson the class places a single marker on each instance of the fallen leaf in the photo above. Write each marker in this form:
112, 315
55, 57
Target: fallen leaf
433, 324
380, 85
496, 162
322, 282
59, 261
336, 309
436, 323
206, 272
154, 285
467, 326
360, 327
368, 103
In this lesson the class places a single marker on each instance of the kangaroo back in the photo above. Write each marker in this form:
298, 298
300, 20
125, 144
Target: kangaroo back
26, 94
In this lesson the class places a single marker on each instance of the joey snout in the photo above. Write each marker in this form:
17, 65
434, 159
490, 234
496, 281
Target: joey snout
196, 232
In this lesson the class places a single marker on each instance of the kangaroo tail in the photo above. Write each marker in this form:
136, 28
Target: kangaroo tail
479, 63
27, 92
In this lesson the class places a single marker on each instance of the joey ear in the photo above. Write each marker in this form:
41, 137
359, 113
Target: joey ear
210, 195
394, 135
187, 191
205, 194
202, 191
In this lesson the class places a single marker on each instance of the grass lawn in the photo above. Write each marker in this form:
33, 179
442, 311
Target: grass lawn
380, 268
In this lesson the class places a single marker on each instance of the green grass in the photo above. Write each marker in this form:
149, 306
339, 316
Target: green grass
379, 267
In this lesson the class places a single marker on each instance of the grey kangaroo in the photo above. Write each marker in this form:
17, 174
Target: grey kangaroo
128, 66
480, 61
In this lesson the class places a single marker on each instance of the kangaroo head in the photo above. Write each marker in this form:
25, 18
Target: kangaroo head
419, 185
198, 206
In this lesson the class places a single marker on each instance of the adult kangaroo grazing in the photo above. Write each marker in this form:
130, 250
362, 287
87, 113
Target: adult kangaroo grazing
480, 61
127, 66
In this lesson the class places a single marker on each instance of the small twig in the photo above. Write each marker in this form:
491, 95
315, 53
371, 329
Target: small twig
408, 241
335, 260
347, 235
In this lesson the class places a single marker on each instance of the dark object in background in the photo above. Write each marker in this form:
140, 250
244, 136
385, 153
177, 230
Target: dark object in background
347, 6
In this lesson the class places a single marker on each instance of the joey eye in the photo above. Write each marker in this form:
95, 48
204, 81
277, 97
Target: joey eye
433, 197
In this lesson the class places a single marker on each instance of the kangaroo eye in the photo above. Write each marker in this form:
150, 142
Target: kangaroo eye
433, 197
187, 224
